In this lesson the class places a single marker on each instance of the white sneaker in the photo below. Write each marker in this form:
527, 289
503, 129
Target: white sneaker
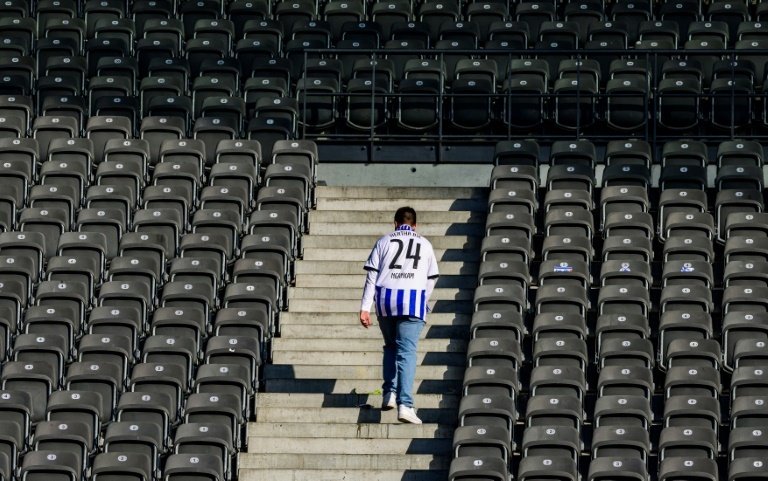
407, 415
388, 402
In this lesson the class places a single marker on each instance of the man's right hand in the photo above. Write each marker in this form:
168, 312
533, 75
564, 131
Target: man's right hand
365, 319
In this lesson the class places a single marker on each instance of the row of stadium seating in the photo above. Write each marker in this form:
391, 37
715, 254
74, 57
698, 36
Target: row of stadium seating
637, 368
137, 301
228, 20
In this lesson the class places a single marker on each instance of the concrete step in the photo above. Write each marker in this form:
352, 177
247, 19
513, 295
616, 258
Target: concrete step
347, 293
356, 331
385, 217
357, 280
328, 319
314, 400
354, 267
400, 193
357, 358
362, 345
352, 240
336, 446
324, 305
343, 475
340, 386
349, 416
381, 228
353, 461
391, 205
442, 255
371, 371
361, 431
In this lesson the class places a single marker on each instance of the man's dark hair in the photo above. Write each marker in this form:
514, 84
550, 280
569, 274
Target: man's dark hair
405, 215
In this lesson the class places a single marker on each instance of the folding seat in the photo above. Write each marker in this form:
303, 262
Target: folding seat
318, 102
528, 98
171, 350
199, 50
48, 222
573, 273
225, 380
687, 272
731, 103
714, 32
235, 350
41, 465
113, 321
50, 349
207, 439
748, 412
180, 467
481, 441
569, 223
744, 273
623, 410
616, 381
122, 466
611, 34
624, 299
494, 352
140, 438
683, 352
561, 299
681, 442
742, 153
557, 326
569, 179
746, 443
692, 411
15, 9
35, 378
679, 101
535, 14
141, 270
729, 12
81, 407
557, 442
484, 14
692, 381
154, 408
192, 12
160, 65
470, 103
184, 174
168, 107
627, 103
580, 152
567, 248
744, 469
488, 410
500, 296
749, 50
366, 105
750, 249
504, 273
625, 273
291, 14
736, 203
389, 13
283, 223
623, 469
284, 110
584, 14
69, 179
250, 53
516, 34
435, 14
627, 353
126, 294
230, 199
684, 69
198, 294
51, 197
543, 467
116, 350
622, 198
473, 467
160, 379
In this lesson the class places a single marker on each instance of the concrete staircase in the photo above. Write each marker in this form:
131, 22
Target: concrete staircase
319, 419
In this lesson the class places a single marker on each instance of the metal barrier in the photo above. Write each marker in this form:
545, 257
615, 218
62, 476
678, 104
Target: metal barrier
500, 102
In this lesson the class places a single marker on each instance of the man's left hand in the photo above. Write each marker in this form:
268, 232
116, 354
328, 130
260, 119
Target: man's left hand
365, 319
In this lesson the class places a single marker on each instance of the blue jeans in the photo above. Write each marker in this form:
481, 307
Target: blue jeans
401, 336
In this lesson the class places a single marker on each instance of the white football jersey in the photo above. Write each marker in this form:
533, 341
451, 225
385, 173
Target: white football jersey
404, 261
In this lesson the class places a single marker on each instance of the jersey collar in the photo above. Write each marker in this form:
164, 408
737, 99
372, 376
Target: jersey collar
404, 227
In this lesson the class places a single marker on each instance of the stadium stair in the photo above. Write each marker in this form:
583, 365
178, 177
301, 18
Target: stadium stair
319, 418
